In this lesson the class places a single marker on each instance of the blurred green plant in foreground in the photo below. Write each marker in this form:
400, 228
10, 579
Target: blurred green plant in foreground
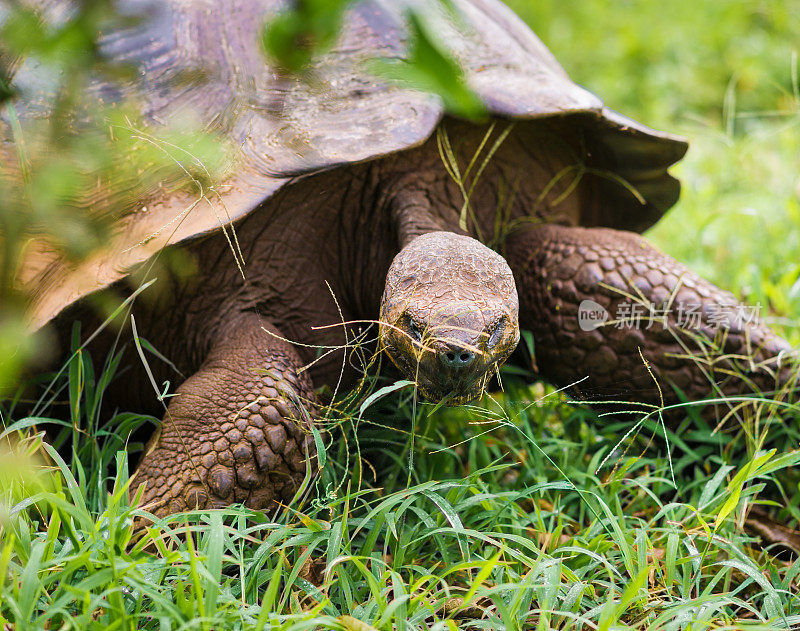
70, 165
296, 36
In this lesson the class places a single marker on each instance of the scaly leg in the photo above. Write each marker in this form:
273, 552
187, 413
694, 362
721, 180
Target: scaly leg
690, 332
238, 430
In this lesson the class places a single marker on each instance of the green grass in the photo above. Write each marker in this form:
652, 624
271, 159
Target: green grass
520, 513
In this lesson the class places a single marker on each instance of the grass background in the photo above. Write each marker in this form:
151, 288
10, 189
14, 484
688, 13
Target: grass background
519, 513
725, 75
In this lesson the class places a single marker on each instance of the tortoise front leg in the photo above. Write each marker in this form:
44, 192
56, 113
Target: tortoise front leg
693, 335
238, 430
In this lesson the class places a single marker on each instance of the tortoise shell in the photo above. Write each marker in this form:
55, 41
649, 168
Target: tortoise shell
205, 57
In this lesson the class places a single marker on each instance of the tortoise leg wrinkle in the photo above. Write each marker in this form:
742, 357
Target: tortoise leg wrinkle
598, 301
237, 431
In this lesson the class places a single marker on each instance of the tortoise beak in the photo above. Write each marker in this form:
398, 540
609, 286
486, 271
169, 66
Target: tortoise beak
452, 362
455, 365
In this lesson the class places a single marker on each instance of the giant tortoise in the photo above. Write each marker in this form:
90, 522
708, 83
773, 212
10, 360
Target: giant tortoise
343, 209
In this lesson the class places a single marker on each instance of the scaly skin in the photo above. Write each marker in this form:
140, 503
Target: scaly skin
448, 293
236, 431
558, 267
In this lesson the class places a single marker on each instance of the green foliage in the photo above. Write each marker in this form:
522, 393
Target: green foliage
428, 68
520, 513
294, 37
6, 91
70, 45
75, 167
673, 63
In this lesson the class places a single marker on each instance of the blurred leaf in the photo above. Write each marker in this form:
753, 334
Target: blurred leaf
69, 172
310, 27
431, 69
23, 32
6, 90
294, 37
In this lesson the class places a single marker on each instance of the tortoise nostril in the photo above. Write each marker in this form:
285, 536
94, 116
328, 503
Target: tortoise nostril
457, 358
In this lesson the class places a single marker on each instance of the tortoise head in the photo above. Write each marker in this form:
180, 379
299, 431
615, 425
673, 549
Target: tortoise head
449, 315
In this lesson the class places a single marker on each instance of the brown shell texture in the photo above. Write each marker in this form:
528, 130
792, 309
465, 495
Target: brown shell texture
203, 57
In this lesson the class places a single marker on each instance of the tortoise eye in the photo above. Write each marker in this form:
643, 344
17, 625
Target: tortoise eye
415, 330
497, 332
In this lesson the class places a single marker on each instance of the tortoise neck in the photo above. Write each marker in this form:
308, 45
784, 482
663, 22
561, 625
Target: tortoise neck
412, 217
413, 214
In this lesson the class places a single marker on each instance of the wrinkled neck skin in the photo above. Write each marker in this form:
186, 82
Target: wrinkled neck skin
414, 214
